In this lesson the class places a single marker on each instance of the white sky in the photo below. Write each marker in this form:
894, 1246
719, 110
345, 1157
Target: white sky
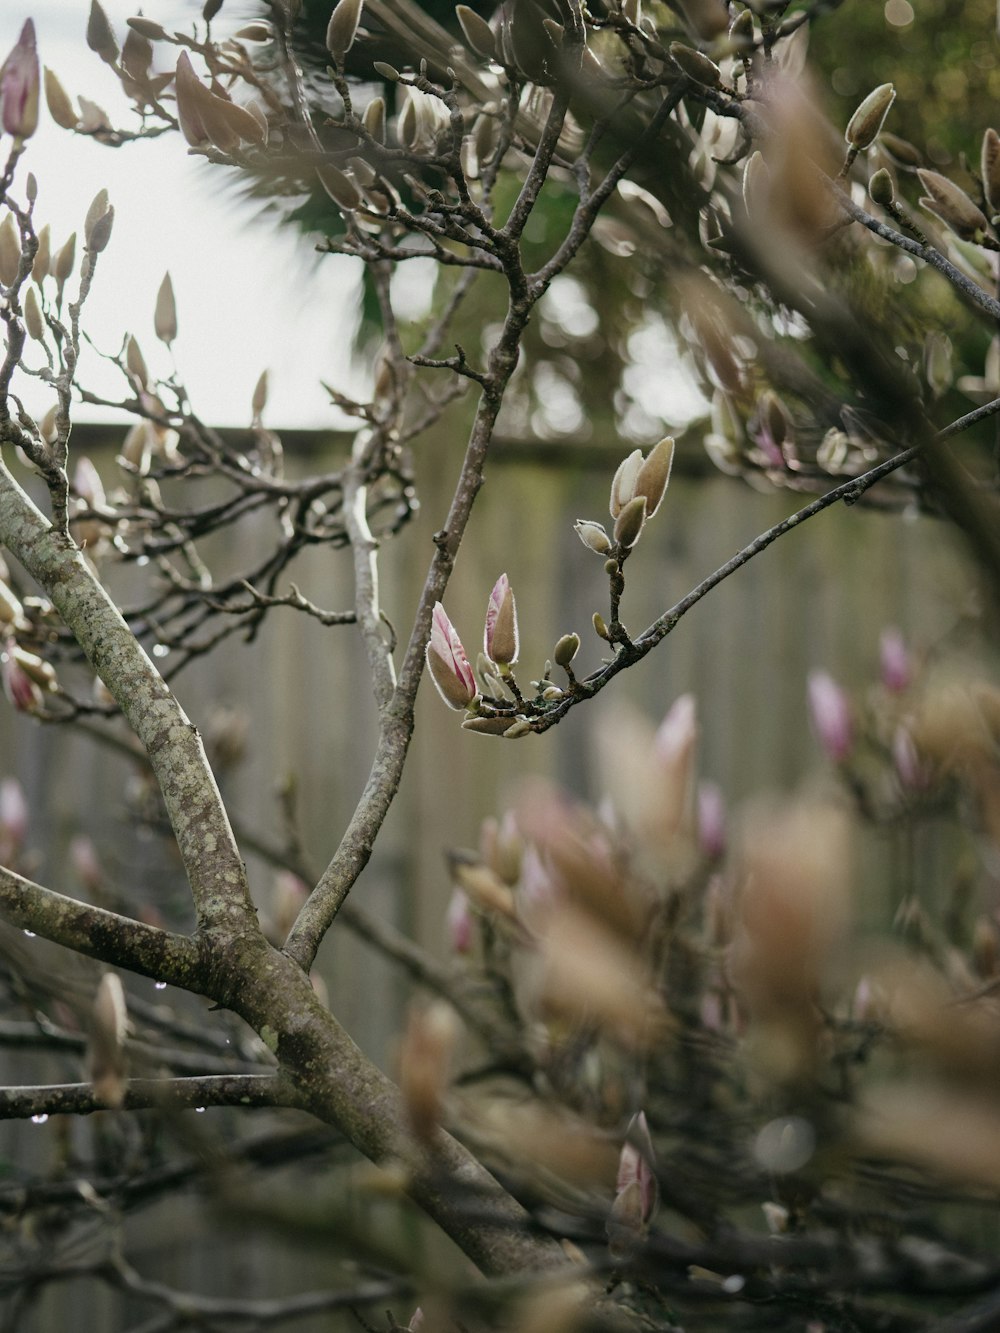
250, 295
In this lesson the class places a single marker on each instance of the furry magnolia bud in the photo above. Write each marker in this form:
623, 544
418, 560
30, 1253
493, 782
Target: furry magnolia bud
989, 163
864, 126
566, 649
165, 314
696, 66
476, 31
881, 188
343, 28
952, 205
592, 535
629, 523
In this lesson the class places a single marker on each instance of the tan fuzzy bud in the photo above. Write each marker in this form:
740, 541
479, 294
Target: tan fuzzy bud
938, 368
385, 70
756, 186
600, 628
259, 400
522, 727
655, 474
137, 447
255, 32
341, 189
881, 188
11, 610
488, 726
477, 32
566, 649
137, 56
592, 535
623, 482
106, 1045
425, 1057
189, 89
10, 250
40, 267
147, 28
989, 163
62, 265
98, 207
41, 672
374, 119
135, 362
165, 313
864, 126
59, 102
952, 205
629, 523
482, 886
100, 35
696, 66
343, 28
741, 34
97, 227
33, 321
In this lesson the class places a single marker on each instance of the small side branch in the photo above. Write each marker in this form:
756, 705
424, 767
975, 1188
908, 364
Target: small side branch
143, 1094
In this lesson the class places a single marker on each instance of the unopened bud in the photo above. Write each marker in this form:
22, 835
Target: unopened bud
952, 205
522, 727
259, 400
165, 313
40, 267
62, 265
106, 1047
100, 35
374, 119
135, 362
629, 523
990, 168
385, 70
566, 649
592, 535
741, 34
696, 66
341, 189
654, 474
100, 232
863, 127
10, 250
488, 726
147, 28
59, 102
343, 28
881, 188
477, 32
600, 628
33, 321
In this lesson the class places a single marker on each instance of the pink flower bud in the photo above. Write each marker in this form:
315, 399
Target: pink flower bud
830, 710
500, 642
13, 814
86, 864
635, 1166
19, 81
913, 773
447, 662
459, 922
18, 686
711, 821
894, 659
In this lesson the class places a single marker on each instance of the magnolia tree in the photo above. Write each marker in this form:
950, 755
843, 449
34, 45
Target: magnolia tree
727, 1109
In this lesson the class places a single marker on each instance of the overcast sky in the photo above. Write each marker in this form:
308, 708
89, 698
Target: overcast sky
250, 295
